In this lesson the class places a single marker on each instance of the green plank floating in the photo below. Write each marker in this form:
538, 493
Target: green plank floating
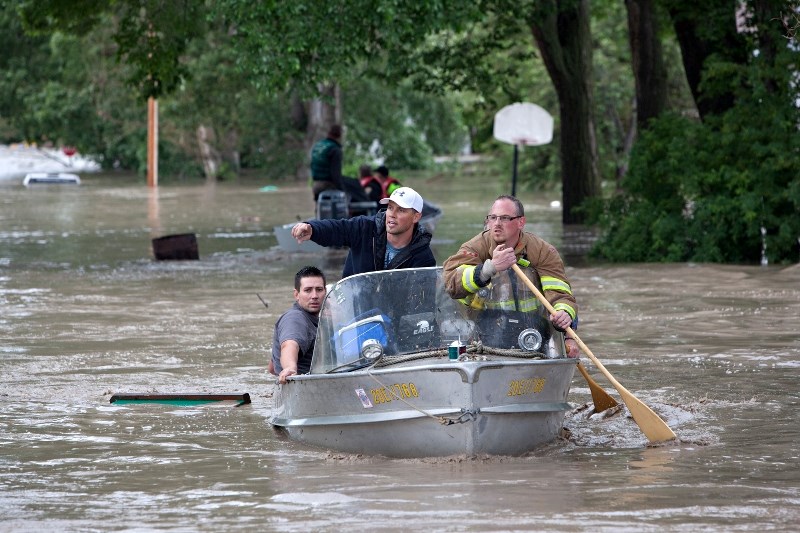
180, 399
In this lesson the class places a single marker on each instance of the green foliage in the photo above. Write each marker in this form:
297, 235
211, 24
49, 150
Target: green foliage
151, 35
268, 141
725, 190
70, 89
251, 129
71, 16
24, 61
398, 125
701, 193
305, 43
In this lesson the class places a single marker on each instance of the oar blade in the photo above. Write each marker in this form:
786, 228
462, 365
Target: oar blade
600, 398
655, 429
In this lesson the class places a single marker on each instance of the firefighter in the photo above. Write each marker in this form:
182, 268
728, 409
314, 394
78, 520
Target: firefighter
501, 244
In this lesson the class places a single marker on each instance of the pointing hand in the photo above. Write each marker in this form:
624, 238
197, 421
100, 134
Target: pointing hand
301, 232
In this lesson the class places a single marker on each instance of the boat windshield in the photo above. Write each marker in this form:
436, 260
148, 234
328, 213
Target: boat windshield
408, 312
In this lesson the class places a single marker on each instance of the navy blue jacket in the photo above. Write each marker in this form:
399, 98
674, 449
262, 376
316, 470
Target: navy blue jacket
366, 237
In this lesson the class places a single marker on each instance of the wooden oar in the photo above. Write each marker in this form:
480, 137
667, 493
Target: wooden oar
601, 399
651, 425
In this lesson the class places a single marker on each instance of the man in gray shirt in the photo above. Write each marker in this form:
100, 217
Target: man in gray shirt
296, 329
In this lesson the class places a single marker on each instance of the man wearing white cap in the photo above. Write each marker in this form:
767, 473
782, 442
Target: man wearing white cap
388, 240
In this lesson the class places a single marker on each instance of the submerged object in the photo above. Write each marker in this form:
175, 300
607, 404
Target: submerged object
58, 178
181, 399
182, 246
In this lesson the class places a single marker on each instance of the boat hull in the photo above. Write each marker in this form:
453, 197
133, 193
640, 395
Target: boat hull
496, 407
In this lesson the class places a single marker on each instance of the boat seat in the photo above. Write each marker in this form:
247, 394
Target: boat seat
332, 204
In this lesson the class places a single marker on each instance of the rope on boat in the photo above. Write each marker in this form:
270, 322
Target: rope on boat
440, 419
476, 351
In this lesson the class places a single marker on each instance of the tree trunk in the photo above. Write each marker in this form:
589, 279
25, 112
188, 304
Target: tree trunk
562, 33
321, 113
208, 153
767, 16
232, 155
704, 29
649, 71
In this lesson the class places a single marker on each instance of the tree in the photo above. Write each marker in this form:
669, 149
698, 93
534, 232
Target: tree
313, 47
314, 42
724, 189
561, 30
647, 61
708, 30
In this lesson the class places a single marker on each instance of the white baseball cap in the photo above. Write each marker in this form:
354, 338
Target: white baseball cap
405, 197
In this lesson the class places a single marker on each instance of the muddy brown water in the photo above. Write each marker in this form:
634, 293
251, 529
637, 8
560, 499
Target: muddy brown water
86, 312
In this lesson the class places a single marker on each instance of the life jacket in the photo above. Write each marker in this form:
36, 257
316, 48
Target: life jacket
388, 186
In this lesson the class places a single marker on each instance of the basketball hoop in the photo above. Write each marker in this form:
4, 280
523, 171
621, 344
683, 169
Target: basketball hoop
522, 124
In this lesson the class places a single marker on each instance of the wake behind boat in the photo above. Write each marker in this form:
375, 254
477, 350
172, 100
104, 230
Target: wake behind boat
388, 378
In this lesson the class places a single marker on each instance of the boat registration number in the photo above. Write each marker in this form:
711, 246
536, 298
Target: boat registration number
394, 392
520, 387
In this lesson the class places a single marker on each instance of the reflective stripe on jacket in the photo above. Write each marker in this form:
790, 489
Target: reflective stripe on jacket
462, 270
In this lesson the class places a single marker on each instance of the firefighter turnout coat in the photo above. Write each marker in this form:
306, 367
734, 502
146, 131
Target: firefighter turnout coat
462, 270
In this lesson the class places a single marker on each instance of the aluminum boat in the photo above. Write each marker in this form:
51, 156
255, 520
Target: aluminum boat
400, 369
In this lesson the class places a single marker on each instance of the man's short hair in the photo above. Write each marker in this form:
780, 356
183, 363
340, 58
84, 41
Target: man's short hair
517, 203
308, 272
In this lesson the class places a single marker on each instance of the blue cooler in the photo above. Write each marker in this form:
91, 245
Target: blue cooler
370, 325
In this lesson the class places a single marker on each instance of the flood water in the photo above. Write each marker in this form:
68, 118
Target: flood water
86, 312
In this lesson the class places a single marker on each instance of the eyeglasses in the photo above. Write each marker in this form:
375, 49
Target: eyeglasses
502, 218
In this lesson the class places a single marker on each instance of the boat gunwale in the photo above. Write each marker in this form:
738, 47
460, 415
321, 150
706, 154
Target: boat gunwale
466, 367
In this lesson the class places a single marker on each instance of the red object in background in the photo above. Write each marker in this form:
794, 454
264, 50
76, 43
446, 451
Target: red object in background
69, 151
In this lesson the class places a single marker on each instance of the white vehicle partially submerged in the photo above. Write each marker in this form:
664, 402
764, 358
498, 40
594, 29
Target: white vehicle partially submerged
58, 178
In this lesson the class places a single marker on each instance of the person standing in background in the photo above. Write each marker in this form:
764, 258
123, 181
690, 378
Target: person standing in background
326, 162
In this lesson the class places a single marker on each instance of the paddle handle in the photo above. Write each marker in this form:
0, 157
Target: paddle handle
570, 331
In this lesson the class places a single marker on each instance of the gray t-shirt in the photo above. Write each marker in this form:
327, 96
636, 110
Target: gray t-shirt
298, 325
